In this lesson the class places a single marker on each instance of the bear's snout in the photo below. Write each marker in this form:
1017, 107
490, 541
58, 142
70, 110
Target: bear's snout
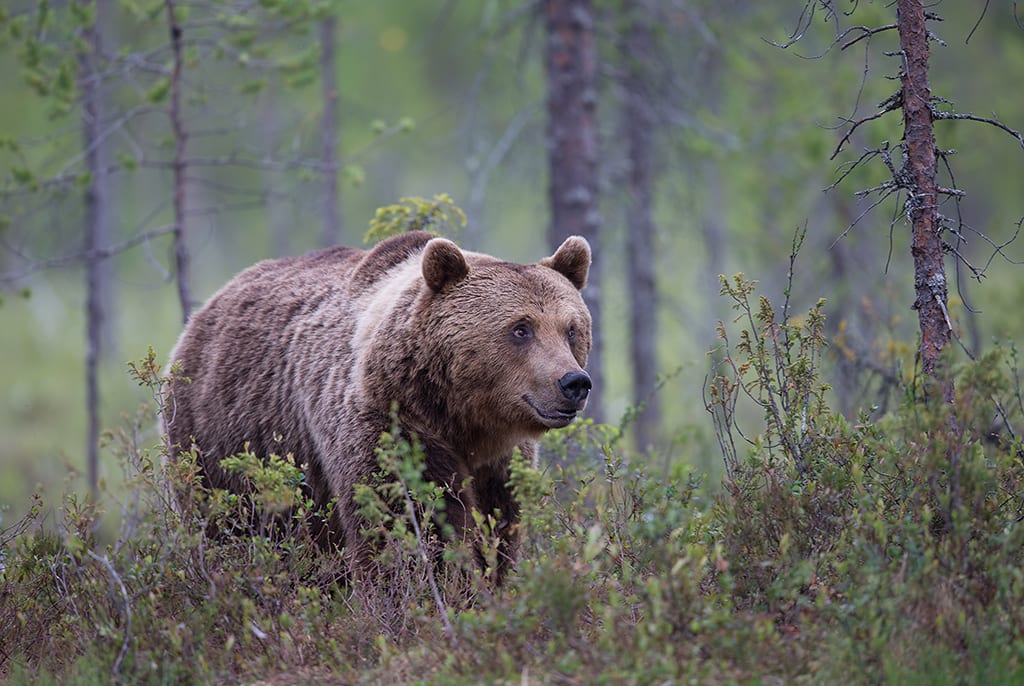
575, 386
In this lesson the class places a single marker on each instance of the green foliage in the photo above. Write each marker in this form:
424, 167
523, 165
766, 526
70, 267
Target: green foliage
900, 539
776, 365
440, 216
886, 550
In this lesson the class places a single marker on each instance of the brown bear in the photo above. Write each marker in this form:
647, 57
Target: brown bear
310, 355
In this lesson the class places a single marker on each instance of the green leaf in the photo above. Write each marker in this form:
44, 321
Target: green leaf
22, 175
17, 27
301, 80
84, 15
243, 40
159, 90
253, 87
65, 82
355, 174
128, 162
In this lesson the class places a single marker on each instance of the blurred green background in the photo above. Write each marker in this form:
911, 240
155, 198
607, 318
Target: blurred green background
448, 97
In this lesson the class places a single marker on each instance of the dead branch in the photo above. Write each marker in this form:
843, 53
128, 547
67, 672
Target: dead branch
865, 33
804, 22
85, 255
939, 114
890, 104
848, 167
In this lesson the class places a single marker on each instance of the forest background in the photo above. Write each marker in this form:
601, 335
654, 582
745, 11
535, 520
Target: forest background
449, 98
819, 499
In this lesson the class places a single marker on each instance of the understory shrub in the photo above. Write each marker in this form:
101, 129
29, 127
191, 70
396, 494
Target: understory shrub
838, 550
896, 540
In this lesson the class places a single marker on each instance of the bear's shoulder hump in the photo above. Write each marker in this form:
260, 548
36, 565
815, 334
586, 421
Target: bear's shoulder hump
387, 254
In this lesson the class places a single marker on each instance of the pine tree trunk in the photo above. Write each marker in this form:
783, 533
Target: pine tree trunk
571, 66
926, 247
638, 128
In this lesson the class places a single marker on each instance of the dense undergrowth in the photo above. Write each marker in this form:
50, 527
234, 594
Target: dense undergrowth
881, 550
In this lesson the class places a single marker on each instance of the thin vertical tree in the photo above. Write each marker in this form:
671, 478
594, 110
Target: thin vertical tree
96, 227
182, 261
572, 140
69, 67
638, 124
329, 132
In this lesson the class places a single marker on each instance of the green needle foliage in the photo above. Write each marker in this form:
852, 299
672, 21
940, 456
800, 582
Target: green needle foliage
440, 216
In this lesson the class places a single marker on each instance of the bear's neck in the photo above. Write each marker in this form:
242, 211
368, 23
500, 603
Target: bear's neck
475, 447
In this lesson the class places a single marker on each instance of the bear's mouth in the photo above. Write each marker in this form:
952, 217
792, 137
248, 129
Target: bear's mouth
552, 419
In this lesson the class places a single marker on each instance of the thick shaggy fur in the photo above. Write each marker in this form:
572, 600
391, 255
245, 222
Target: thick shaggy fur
308, 356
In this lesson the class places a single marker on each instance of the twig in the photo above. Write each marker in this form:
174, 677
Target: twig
866, 33
442, 608
939, 114
97, 254
890, 104
974, 28
116, 579
803, 22
496, 154
850, 166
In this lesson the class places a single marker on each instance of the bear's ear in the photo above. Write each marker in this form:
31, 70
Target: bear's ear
443, 264
572, 260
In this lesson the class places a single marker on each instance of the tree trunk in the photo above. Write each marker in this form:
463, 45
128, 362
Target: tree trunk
277, 206
329, 133
926, 247
638, 126
714, 229
181, 257
571, 69
96, 231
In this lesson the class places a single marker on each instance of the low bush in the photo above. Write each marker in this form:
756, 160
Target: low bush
876, 550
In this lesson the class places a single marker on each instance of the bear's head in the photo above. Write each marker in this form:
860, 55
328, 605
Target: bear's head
512, 339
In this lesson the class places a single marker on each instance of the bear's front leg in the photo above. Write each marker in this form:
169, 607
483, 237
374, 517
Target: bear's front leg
496, 499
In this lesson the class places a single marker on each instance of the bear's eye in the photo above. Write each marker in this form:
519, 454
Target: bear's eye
572, 334
522, 331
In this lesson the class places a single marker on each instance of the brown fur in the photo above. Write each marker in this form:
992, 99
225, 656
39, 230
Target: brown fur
308, 355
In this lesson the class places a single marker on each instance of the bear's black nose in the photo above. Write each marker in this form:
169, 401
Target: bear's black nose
575, 386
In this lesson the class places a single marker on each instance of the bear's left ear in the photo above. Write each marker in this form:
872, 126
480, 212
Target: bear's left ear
443, 264
572, 260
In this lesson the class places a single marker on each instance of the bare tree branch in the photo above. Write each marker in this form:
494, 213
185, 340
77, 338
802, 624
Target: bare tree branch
865, 33
939, 114
978, 23
84, 256
893, 102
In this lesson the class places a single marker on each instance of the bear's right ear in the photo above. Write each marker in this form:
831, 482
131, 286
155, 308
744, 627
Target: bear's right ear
572, 260
443, 264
